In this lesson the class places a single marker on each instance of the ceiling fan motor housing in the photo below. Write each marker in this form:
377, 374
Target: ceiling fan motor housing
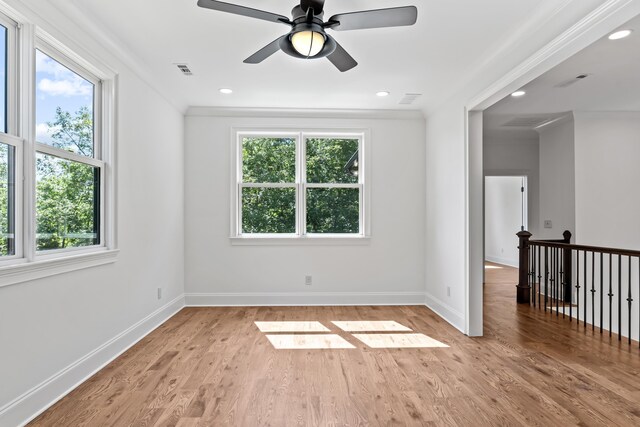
302, 25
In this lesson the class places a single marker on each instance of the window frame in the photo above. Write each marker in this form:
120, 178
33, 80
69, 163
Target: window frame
11, 138
27, 263
49, 150
300, 236
16, 143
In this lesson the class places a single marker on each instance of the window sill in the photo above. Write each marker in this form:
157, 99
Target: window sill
26, 271
301, 241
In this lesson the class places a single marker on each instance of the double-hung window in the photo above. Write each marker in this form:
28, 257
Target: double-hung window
56, 151
68, 166
11, 147
299, 185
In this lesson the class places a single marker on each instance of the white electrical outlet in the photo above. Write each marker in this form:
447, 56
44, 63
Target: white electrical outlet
159, 293
308, 280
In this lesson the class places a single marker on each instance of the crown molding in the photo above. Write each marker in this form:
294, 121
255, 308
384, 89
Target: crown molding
83, 20
305, 113
580, 35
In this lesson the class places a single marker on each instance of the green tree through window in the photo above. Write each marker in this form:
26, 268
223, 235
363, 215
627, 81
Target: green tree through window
275, 187
67, 192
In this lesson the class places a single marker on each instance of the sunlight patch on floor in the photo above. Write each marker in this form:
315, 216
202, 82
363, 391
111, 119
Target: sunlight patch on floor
291, 327
308, 342
399, 341
492, 267
370, 326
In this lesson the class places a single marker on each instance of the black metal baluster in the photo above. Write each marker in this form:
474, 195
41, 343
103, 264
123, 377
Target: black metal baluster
619, 297
601, 280
539, 277
593, 291
610, 293
533, 251
629, 300
553, 278
552, 273
570, 290
556, 284
561, 291
586, 284
546, 277
578, 287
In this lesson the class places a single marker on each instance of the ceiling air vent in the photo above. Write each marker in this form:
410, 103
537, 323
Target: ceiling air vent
184, 69
572, 81
409, 98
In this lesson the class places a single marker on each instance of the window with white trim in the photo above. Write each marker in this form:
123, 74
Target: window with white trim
56, 175
68, 163
11, 147
298, 184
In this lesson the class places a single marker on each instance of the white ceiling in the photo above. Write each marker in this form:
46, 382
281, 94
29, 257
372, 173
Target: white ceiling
613, 84
435, 57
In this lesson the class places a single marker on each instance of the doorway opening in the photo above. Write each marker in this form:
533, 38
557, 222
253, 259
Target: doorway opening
548, 101
505, 213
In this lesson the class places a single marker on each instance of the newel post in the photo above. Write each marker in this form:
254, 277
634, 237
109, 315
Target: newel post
566, 256
523, 287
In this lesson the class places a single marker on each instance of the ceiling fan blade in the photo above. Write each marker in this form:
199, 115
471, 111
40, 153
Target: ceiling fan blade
392, 17
265, 52
242, 10
317, 5
341, 59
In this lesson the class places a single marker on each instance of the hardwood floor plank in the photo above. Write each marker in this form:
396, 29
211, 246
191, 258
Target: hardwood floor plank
214, 367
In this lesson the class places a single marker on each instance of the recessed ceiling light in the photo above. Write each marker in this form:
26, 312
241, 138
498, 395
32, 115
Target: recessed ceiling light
518, 93
226, 91
382, 93
619, 34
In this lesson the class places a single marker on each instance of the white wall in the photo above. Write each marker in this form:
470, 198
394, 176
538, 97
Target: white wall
445, 216
449, 201
49, 324
607, 151
508, 154
388, 270
557, 180
502, 215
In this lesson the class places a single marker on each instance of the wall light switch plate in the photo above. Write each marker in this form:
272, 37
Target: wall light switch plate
547, 223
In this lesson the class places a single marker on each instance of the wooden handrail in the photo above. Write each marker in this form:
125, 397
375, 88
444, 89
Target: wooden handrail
547, 272
572, 246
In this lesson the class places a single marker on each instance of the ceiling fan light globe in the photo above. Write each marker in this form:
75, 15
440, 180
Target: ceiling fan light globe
308, 43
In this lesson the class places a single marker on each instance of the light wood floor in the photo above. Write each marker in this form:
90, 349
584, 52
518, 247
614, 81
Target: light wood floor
213, 367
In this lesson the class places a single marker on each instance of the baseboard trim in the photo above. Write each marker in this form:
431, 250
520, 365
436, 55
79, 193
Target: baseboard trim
303, 298
502, 261
35, 401
444, 310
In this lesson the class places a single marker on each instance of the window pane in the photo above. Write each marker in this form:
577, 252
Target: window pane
7, 200
333, 210
3, 80
64, 107
331, 160
67, 203
268, 160
268, 210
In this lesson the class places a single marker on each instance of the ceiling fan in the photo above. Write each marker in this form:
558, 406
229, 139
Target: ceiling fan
308, 38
